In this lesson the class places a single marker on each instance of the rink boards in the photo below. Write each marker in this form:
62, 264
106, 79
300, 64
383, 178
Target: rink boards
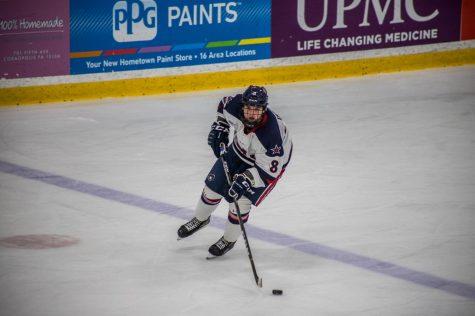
84, 50
217, 80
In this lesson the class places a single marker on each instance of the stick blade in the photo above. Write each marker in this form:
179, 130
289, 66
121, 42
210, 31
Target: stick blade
259, 283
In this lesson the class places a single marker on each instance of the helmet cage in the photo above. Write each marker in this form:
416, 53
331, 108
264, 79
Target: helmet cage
254, 96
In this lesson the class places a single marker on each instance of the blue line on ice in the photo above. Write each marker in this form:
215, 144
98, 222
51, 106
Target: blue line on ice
309, 247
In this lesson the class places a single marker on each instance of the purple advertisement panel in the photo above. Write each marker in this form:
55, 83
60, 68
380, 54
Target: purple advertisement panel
306, 27
34, 38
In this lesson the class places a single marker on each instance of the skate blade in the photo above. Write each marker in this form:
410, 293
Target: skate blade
212, 257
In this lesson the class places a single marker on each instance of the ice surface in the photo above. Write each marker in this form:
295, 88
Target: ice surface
375, 214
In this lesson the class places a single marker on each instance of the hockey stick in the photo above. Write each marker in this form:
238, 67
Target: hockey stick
238, 211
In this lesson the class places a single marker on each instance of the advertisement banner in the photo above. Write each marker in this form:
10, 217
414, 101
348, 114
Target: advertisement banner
306, 27
117, 35
34, 38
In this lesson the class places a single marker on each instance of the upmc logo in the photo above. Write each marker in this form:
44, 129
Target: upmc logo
392, 8
134, 20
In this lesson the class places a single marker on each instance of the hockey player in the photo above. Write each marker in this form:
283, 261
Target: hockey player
257, 158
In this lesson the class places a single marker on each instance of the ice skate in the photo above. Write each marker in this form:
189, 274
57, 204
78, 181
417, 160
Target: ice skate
192, 227
221, 247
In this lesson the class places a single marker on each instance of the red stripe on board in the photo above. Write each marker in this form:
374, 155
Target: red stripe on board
125, 51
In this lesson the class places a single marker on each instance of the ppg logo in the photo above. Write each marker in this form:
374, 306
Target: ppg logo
134, 20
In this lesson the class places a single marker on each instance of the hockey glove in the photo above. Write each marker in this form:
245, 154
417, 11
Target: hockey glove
219, 134
240, 185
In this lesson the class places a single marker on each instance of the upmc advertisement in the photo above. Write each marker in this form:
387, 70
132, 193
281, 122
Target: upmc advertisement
303, 27
113, 35
61, 37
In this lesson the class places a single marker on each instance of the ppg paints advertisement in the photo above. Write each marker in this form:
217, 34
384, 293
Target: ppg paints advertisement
60, 37
113, 35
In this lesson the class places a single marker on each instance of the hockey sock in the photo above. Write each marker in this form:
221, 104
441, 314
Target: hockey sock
206, 205
232, 230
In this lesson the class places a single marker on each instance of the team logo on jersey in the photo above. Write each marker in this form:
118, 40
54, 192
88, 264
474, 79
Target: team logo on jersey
211, 177
275, 151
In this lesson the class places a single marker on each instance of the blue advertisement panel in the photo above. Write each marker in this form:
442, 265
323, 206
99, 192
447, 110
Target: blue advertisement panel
118, 35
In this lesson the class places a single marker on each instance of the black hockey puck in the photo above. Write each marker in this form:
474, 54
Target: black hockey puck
277, 292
